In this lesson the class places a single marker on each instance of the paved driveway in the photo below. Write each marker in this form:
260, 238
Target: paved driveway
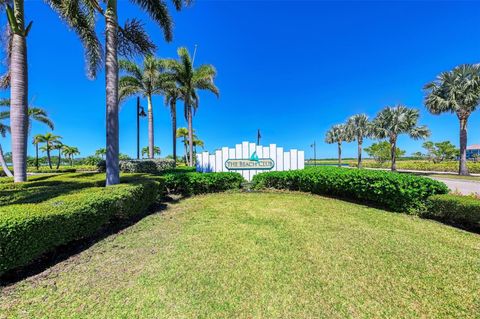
462, 186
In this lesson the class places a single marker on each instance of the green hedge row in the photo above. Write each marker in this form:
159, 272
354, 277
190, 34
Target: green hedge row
201, 183
424, 166
463, 211
398, 192
29, 230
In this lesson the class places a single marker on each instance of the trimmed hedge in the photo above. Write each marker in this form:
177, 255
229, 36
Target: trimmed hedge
29, 230
455, 209
201, 183
149, 166
398, 192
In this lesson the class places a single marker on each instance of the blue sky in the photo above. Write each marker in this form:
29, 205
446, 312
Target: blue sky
292, 69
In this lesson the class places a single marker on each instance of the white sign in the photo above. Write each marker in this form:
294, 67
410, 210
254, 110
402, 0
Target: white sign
249, 159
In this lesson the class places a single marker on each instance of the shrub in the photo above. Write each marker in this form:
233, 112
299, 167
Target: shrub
455, 209
150, 166
473, 167
201, 183
29, 230
398, 192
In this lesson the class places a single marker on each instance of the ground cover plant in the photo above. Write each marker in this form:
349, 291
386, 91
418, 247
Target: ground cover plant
269, 255
463, 211
399, 192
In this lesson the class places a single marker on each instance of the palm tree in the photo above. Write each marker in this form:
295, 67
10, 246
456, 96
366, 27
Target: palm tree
37, 139
456, 91
393, 121
358, 127
58, 146
190, 80
149, 80
70, 152
197, 142
182, 132
146, 151
50, 141
172, 95
3, 132
79, 18
101, 152
337, 134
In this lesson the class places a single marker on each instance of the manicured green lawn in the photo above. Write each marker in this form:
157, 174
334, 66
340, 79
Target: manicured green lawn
268, 255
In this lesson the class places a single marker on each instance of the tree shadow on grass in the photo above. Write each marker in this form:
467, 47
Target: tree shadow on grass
64, 252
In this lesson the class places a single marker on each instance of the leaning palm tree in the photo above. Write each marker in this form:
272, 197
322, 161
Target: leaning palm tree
337, 134
3, 132
358, 127
456, 91
393, 121
172, 95
77, 15
190, 80
70, 152
50, 141
182, 132
147, 80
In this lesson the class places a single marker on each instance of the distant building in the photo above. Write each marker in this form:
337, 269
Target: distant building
473, 151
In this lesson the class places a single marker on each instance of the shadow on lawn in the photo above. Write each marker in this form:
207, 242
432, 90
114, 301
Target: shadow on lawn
44, 263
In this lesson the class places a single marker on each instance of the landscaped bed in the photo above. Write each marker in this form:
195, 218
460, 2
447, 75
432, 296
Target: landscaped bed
270, 255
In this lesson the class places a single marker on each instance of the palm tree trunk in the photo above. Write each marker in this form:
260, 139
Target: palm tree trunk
111, 84
186, 151
36, 155
190, 135
339, 154
173, 109
71, 160
59, 158
19, 96
4, 164
463, 168
49, 158
359, 147
393, 154
151, 143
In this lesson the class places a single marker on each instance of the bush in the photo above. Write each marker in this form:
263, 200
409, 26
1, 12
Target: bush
29, 230
150, 166
201, 183
454, 209
473, 167
398, 192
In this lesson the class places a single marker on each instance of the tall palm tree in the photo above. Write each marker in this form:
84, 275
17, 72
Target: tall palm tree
190, 80
172, 95
182, 132
337, 134
77, 15
358, 127
393, 121
147, 80
70, 152
50, 141
60, 147
456, 91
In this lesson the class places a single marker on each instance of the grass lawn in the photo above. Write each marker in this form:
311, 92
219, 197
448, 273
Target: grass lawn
269, 255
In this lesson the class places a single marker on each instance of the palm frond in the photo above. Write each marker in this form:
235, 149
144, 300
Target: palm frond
133, 40
158, 11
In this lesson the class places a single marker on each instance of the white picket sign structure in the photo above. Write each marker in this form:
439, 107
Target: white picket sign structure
278, 159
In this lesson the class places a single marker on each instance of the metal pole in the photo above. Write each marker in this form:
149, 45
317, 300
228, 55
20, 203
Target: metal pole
138, 127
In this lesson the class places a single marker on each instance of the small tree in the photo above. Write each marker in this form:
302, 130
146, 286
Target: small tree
439, 152
358, 127
380, 151
146, 151
338, 134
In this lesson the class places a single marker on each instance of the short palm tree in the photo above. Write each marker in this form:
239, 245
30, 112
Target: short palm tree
337, 134
146, 151
78, 16
190, 80
172, 95
393, 121
456, 91
147, 80
3, 132
37, 139
50, 141
69, 152
182, 132
101, 152
358, 127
